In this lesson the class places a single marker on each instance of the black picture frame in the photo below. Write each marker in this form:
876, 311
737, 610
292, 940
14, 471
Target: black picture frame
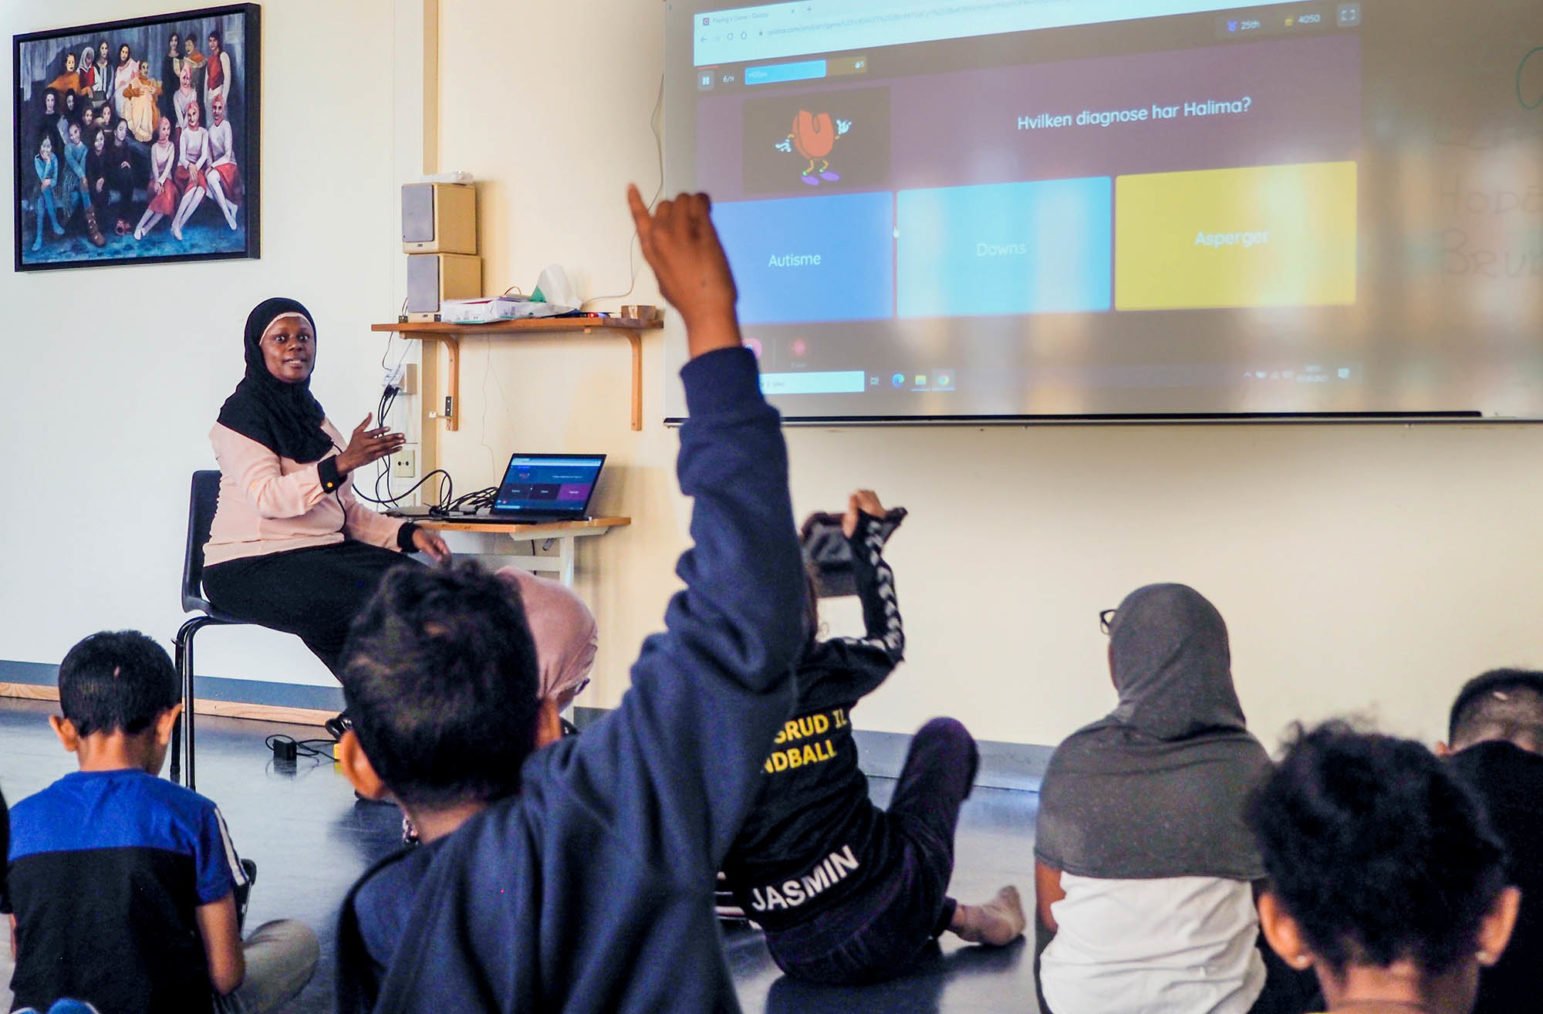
128, 174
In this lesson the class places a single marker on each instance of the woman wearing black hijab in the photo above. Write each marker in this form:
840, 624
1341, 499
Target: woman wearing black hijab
290, 547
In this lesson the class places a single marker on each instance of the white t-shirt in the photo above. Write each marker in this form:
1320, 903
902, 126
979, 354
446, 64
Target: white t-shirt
1180, 945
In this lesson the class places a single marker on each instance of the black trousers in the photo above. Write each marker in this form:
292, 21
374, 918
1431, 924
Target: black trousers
879, 932
315, 593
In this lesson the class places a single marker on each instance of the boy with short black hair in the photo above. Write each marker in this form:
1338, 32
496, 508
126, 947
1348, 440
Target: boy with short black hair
444, 764
123, 886
591, 889
1495, 732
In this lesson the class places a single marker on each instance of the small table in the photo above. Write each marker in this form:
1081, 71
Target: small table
496, 541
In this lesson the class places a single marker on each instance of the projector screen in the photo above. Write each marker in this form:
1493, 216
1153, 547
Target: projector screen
1021, 209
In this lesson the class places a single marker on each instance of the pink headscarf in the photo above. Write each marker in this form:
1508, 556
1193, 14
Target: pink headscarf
564, 631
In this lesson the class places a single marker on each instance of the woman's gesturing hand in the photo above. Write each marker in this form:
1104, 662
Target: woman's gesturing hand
431, 545
367, 445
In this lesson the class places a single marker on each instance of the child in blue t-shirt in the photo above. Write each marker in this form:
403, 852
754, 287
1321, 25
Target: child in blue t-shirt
122, 887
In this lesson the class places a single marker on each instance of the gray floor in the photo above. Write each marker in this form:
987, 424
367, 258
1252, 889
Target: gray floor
310, 840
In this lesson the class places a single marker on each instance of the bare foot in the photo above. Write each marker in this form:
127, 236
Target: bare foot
997, 923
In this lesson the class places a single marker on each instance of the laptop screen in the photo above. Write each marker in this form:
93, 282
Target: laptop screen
549, 483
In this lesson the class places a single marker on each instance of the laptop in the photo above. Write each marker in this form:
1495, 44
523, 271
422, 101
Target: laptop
540, 489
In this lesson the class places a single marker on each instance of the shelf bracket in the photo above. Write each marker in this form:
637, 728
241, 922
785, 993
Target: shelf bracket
452, 403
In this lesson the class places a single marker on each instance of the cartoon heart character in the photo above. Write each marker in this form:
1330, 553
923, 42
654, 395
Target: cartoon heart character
814, 137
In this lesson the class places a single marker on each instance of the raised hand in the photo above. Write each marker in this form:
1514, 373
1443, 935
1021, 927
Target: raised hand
681, 245
864, 501
367, 445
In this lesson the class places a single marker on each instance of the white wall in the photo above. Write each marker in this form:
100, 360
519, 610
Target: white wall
1361, 568
1367, 568
114, 375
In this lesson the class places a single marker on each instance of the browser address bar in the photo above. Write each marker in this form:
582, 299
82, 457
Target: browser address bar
775, 31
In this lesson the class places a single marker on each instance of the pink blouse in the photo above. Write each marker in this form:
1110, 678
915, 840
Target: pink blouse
272, 504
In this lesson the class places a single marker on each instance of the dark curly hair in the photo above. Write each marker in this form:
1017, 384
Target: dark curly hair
439, 675
1375, 850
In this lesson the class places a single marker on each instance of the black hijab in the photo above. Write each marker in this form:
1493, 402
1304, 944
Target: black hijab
1157, 788
284, 418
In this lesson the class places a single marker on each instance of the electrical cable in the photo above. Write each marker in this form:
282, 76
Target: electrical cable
446, 489
317, 748
383, 465
467, 503
632, 245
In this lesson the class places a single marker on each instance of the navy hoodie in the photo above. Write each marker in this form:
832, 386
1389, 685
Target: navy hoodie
592, 890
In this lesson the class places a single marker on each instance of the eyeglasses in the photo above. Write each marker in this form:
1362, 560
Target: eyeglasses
338, 724
1105, 620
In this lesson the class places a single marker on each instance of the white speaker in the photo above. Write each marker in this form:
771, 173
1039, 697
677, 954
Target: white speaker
434, 278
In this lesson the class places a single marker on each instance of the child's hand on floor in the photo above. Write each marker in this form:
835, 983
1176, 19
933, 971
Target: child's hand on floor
864, 501
681, 245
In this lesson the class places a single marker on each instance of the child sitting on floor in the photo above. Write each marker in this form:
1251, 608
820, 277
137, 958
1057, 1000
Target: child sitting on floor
123, 886
443, 771
1384, 875
566, 639
565, 634
1495, 747
847, 892
591, 888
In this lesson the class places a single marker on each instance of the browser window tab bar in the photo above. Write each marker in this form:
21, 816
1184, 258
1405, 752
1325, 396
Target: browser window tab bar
807, 27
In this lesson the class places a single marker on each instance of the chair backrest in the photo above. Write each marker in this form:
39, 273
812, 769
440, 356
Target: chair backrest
202, 500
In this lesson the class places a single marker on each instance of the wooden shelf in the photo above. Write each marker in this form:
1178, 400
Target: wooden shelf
450, 335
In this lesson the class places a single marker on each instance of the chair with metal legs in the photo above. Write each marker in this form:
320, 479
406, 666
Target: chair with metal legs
202, 500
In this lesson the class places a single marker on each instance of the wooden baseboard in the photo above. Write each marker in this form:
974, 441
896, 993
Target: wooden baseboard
223, 709
29, 691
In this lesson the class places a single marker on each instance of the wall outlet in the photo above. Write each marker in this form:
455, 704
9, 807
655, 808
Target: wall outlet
404, 463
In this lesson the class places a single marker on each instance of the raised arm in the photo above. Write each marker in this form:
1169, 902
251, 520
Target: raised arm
676, 765
855, 666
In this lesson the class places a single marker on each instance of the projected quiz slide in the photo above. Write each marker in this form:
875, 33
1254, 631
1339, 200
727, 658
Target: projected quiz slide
984, 201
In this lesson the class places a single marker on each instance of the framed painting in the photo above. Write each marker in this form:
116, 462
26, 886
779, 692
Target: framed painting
137, 141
